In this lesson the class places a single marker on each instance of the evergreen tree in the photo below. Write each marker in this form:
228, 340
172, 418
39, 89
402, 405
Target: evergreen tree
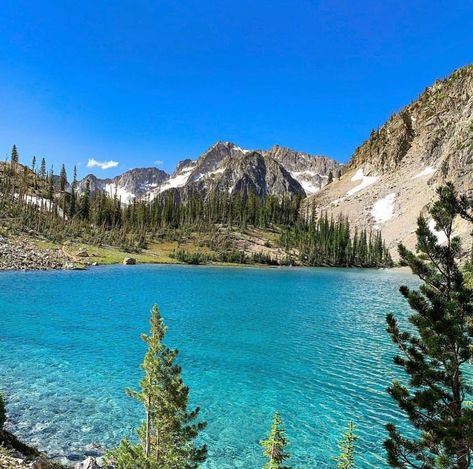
3, 412
85, 202
274, 447
434, 354
42, 170
33, 164
62, 179
51, 184
330, 177
346, 445
168, 434
15, 159
73, 198
339, 174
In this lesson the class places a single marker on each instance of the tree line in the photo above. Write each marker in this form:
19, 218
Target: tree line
37, 199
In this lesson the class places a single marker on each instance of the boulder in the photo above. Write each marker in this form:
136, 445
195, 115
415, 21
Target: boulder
89, 463
129, 261
82, 253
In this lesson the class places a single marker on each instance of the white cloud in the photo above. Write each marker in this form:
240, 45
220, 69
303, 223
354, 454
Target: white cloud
158, 162
92, 163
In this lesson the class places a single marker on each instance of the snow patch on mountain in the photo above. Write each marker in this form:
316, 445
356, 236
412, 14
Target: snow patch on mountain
365, 181
383, 209
179, 180
243, 150
126, 197
425, 172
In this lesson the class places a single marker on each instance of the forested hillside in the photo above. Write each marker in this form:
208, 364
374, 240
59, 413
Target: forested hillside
214, 226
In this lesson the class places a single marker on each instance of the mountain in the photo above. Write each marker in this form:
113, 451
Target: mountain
226, 167
311, 171
128, 186
393, 175
229, 168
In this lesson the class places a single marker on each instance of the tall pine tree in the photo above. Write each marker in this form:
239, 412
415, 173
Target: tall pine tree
346, 458
167, 438
274, 447
437, 349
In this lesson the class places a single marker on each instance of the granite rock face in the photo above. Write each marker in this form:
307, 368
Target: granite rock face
392, 177
232, 169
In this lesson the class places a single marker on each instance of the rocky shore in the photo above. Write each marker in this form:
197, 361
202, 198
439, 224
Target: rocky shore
21, 254
15, 460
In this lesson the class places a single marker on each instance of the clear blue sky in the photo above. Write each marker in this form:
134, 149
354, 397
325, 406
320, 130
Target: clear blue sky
144, 81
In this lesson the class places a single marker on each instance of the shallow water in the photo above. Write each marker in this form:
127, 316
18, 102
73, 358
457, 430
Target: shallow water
308, 342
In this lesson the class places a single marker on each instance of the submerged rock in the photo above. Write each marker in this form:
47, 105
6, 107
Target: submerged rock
88, 463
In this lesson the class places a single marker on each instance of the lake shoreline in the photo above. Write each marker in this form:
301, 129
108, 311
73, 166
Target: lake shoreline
69, 266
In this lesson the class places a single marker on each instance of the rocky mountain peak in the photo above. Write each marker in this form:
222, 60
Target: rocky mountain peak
434, 129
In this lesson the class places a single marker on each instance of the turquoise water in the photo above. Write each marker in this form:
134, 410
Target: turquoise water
309, 342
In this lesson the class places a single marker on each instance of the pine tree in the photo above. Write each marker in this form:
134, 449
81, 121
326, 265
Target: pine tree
51, 184
346, 445
330, 177
62, 179
168, 434
72, 205
339, 174
434, 354
85, 202
274, 447
3, 412
42, 170
15, 159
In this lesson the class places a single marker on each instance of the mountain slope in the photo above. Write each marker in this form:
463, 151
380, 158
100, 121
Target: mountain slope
393, 175
311, 171
127, 186
227, 167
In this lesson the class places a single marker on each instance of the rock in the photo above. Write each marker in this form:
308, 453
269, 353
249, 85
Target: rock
82, 253
129, 261
89, 463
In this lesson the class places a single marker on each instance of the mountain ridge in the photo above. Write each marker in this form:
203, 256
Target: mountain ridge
392, 176
224, 166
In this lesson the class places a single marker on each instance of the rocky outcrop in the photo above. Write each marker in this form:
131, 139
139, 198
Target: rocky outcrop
19, 254
311, 171
392, 177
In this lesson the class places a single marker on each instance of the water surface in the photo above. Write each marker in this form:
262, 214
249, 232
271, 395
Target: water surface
308, 342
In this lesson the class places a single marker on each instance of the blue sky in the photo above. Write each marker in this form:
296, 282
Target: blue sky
140, 82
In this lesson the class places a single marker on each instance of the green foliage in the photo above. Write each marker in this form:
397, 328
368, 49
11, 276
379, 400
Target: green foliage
166, 439
346, 458
435, 353
330, 177
15, 159
3, 412
331, 242
194, 258
274, 447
